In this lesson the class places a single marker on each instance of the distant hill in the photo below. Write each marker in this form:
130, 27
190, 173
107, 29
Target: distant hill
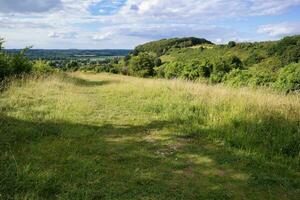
70, 53
162, 46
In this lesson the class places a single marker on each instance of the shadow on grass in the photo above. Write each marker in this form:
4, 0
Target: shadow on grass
48, 160
85, 83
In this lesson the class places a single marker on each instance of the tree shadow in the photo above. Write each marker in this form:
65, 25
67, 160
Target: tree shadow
267, 134
86, 83
61, 159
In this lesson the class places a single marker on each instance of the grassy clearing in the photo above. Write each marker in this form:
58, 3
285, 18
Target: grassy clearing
99, 136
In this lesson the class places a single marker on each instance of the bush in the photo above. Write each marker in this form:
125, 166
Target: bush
261, 76
291, 54
289, 78
13, 64
170, 70
196, 69
219, 70
216, 77
41, 67
142, 65
72, 65
5, 68
157, 62
20, 64
234, 62
288, 49
231, 44
237, 78
160, 71
190, 72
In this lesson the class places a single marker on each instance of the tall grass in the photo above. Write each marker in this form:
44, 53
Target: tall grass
62, 135
258, 120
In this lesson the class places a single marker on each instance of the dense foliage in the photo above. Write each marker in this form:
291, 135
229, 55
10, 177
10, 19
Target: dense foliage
268, 64
18, 64
289, 78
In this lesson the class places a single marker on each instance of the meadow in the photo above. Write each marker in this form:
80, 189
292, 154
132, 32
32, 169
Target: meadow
103, 136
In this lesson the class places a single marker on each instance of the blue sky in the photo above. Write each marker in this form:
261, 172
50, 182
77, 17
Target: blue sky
97, 24
106, 7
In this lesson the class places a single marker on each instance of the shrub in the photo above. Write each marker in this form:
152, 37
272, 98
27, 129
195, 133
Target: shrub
72, 65
237, 77
20, 64
291, 54
219, 70
254, 58
114, 69
157, 62
231, 44
173, 70
288, 49
142, 65
40, 67
190, 72
160, 71
196, 69
216, 77
16, 64
220, 66
234, 62
289, 78
5, 69
262, 76
205, 69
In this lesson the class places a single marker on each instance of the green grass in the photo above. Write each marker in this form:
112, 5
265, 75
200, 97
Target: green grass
99, 136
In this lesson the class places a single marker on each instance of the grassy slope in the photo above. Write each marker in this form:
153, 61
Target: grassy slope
115, 137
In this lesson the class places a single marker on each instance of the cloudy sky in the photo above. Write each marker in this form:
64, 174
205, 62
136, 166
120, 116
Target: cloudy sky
98, 24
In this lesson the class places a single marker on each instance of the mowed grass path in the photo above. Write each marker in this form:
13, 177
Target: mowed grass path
99, 136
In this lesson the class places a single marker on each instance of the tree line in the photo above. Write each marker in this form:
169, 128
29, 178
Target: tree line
267, 64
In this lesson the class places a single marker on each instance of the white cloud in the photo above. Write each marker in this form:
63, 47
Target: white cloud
26, 6
279, 30
60, 21
103, 36
65, 35
218, 40
203, 9
271, 7
53, 35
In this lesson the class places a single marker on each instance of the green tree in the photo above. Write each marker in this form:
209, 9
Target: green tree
142, 65
289, 78
196, 69
72, 65
16, 64
234, 62
20, 64
157, 62
172, 70
231, 44
41, 67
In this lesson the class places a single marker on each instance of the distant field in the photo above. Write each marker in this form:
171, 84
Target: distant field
56, 54
100, 136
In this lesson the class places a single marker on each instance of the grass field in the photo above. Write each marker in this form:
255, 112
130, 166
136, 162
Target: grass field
100, 136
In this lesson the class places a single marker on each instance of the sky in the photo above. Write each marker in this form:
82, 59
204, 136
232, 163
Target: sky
123, 24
